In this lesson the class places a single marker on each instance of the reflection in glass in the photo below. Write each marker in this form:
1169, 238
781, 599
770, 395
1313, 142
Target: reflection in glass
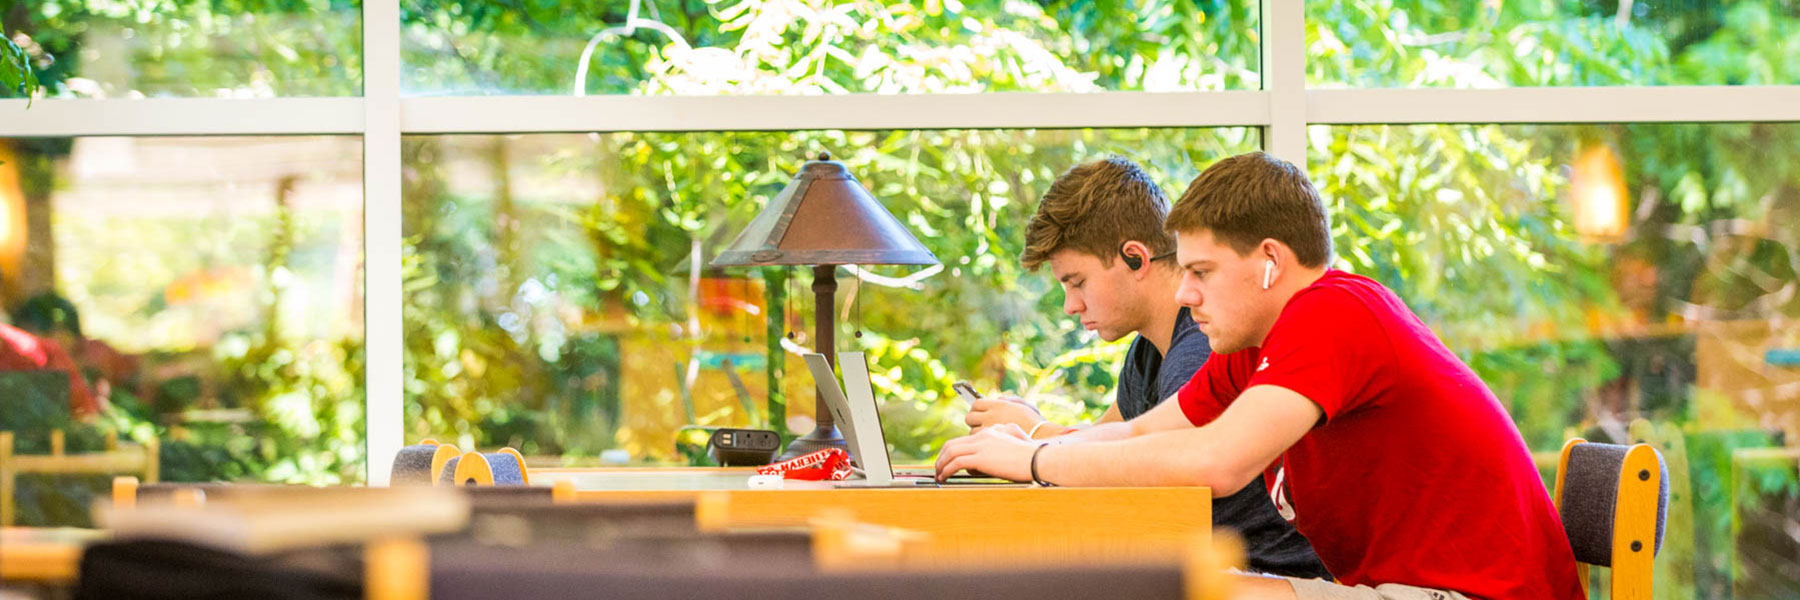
208, 291
107, 49
801, 47
1676, 329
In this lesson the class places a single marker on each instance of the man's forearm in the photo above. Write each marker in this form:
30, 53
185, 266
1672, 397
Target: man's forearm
1101, 432
1225, 455
1106, 464
1155, 460
1161, 419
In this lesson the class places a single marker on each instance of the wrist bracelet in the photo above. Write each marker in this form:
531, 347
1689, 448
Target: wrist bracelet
1034, 472
1033, 433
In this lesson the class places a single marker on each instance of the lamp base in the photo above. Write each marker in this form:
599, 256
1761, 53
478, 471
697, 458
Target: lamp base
818, 439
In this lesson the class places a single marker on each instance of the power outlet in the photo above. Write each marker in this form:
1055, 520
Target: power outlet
743, 447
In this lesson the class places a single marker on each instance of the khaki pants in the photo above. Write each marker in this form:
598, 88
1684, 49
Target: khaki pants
1319, 589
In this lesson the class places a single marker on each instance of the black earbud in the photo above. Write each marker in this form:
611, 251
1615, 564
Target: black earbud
1135, 262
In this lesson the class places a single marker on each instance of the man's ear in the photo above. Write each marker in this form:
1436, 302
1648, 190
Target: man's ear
1273, 249
1135, 255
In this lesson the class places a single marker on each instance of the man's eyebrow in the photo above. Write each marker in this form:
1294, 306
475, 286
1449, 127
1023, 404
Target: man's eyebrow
1065, 277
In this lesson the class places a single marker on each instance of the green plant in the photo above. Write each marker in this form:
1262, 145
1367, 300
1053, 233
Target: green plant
16, 76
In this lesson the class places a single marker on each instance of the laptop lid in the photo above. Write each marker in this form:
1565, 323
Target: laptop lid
855, 414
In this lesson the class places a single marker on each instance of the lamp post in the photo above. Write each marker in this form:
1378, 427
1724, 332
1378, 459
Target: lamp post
824, 218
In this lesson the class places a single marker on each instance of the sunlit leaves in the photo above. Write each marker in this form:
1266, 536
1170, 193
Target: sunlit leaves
244, 48
16, 75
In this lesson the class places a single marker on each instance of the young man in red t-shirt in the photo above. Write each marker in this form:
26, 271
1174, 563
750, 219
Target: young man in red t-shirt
1381, 447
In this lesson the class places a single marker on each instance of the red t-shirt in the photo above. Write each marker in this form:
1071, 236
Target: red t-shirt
21, 351
1417, 476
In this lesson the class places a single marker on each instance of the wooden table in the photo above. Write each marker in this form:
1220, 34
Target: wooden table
967, 524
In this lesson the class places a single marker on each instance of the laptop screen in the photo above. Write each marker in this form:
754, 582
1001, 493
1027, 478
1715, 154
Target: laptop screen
855, 414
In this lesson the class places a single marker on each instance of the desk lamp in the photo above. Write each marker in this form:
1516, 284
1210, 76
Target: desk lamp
824, 218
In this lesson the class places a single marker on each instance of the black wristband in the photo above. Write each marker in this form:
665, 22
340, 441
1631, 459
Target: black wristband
1034, 474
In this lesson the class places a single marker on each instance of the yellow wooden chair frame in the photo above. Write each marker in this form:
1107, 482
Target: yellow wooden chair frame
1634, 520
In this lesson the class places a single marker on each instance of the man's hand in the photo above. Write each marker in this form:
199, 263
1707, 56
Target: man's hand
999, 410
1001, 451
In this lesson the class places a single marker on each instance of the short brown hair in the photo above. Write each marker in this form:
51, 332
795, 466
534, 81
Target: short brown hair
1247, 198
1095, 207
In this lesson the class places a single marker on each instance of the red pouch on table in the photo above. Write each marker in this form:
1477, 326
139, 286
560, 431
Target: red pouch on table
830, 464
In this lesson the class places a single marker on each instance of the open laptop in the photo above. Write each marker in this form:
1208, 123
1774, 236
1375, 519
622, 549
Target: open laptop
859, 419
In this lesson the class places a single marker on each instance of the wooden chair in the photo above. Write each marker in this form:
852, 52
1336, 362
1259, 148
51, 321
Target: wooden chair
1614, 503
116, 458
37, 402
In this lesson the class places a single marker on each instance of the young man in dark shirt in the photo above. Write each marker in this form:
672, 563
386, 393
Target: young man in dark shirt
1099, 227
1371, 437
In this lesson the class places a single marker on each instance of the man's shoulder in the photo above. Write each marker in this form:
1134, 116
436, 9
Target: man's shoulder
1342, 301
1340, 288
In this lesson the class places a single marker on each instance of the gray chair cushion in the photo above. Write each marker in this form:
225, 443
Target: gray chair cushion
1590, 491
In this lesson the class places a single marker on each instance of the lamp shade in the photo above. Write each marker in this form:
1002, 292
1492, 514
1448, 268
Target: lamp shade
824, 217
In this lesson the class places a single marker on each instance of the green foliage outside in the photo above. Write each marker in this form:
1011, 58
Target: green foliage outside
672, 188
178, 48
810, 47
16, 76
506, 275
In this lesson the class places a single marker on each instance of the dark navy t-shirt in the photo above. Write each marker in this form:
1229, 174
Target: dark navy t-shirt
1146, 378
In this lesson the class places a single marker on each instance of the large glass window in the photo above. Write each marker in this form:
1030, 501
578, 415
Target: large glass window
1612, 282
696, 47
208, 291
559, 298
172, 48
1437, 43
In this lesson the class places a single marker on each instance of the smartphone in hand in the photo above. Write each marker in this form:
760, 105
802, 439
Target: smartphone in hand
966, 391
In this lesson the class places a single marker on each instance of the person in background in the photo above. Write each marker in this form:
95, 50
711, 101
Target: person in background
22, 351
51, 316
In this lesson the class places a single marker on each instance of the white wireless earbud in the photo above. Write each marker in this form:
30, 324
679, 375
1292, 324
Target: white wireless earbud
1268, 273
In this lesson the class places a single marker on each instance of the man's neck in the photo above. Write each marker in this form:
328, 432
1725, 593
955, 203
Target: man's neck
1289, 288
1159, 325
1305, 279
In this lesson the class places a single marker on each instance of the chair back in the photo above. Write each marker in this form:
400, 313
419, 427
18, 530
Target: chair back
1614, 503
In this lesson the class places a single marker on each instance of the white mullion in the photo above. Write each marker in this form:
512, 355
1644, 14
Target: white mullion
384, 398
182, 116
1666, 104
1274, 109
522, 114
1284, 78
